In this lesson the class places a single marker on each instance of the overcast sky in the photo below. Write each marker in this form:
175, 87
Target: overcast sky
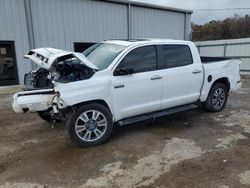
204, 17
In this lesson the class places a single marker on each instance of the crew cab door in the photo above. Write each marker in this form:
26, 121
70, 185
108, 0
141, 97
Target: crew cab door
182, 76
137, 83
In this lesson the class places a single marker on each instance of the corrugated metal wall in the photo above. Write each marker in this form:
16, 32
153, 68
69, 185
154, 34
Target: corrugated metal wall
188, 27
13, 28
227, 48
60, 23
153, 23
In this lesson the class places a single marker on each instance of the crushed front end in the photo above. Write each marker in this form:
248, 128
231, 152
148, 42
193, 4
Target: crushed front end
55, 67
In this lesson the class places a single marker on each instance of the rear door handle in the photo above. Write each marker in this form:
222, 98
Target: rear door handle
196, 71
156, 77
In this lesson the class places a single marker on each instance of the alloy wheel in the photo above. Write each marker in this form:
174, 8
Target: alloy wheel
91, 125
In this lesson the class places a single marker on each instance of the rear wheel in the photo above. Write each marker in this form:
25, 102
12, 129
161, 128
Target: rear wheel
217, 98
90, 125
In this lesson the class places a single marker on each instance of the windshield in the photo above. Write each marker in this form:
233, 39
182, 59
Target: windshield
102, 54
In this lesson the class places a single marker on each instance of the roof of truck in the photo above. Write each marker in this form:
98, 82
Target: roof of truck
145, 41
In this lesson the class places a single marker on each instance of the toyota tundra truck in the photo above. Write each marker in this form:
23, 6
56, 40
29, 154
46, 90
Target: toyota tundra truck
118, 82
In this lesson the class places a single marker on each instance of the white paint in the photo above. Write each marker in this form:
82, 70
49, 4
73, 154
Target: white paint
51, 55
149, 168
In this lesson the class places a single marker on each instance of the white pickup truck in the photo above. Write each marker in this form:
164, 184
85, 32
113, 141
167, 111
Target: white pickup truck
122, 82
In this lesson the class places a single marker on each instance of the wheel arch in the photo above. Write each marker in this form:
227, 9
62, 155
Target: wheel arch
99, 101
224, 81
208, 86
207, 104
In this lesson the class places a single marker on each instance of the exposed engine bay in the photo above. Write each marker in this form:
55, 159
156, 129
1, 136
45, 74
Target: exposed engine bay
65, 69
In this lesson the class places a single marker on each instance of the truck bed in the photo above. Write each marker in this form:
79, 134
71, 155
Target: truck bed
206, 59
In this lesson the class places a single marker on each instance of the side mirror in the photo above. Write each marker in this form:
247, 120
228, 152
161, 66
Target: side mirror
124, 71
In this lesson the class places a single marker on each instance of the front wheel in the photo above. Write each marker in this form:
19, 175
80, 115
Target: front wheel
217, 98
90, 125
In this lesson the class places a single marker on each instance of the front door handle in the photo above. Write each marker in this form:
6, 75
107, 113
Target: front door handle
156, 77
119, 86
196, 71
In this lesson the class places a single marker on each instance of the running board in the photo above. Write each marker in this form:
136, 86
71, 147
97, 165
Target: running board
154, 115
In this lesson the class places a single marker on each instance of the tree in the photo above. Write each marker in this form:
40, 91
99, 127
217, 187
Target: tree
230, 28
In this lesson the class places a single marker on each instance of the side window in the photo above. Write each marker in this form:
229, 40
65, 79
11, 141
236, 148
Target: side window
176, 55
142, 59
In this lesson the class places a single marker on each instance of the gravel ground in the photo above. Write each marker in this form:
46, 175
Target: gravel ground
189, 149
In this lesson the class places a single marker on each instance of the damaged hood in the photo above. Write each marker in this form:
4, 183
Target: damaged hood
47, 57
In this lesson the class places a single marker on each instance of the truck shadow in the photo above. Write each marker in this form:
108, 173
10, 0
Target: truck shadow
178, 122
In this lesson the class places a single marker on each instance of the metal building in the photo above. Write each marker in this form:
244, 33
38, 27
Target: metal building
233, 48
75, 25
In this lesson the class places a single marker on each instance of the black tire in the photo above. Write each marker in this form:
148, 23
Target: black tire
214, 103
89, 124
45, 115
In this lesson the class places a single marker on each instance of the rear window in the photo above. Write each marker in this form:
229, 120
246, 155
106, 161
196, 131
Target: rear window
176, 55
